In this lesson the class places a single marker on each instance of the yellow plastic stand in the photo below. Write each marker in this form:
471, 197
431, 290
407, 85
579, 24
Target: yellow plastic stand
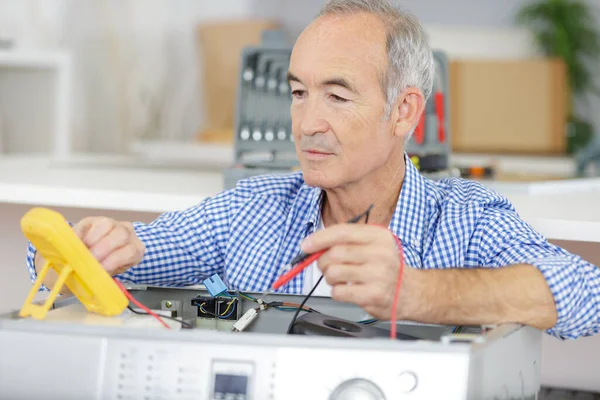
75, 265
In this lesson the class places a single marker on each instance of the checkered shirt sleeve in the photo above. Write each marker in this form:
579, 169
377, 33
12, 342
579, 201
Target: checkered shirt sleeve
505, 239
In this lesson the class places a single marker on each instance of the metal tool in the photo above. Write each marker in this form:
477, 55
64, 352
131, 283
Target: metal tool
438, 103
430, 143
248, 101
276, 97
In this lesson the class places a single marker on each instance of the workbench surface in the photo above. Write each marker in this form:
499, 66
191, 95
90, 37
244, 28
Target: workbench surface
565, 210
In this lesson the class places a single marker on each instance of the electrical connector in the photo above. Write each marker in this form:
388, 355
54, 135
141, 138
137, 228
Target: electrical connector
214, 285
262, 304
242, 323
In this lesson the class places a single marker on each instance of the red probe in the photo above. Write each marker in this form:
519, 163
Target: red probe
303, 260
288, 276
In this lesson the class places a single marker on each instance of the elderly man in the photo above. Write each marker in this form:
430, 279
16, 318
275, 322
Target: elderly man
360, 75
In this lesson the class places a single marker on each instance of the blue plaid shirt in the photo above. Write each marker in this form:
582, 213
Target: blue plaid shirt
249, 233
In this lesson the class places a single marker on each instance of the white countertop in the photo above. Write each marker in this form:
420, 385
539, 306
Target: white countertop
97, 184
565, 210
566, 216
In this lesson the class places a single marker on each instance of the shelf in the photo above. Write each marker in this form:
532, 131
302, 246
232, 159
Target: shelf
35, 84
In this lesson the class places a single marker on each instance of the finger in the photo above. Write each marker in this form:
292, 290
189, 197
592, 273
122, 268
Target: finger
119, 260
128, 226
347, 273
117, 238
82, 227
349, 254
342, 234
359, 294
99, 228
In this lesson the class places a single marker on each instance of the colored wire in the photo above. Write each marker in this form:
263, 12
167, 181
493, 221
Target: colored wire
394, 315
230, 312
183, 323
204, 311
140, 305
295, 305
248, 297
228, 307
289, 330
283, 306
368, 321
224, 315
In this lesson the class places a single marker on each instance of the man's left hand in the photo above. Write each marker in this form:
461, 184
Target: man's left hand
362, 263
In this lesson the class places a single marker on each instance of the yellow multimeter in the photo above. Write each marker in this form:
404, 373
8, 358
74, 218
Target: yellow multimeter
64, 252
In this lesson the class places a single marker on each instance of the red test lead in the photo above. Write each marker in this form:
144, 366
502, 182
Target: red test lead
288, 276
303, 260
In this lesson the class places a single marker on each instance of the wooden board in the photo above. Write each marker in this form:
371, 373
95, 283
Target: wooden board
508, 106
220, 46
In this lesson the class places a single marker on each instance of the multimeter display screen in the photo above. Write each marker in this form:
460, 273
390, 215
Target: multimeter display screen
227, 385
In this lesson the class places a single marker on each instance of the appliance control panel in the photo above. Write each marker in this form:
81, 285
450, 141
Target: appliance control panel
153, 370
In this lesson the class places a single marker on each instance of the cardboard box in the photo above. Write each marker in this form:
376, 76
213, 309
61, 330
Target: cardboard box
508, 106
220, 51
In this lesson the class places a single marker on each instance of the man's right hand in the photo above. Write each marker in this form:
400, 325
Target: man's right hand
113, 243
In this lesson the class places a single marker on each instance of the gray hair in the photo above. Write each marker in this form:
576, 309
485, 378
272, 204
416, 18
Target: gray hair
410, 60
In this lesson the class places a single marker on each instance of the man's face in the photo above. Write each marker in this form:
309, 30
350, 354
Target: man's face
338, 106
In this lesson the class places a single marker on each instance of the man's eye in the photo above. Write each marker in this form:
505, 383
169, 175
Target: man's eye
338, 98
298, 93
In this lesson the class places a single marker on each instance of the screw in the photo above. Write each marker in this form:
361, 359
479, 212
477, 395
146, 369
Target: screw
168, 304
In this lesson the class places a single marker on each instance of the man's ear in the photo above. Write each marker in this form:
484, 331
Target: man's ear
409, 107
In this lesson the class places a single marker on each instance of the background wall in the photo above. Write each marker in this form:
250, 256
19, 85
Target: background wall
137, 63
469, 13
478, 25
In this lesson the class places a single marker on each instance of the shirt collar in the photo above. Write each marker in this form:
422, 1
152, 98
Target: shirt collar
409, 216
408, 221
313, 217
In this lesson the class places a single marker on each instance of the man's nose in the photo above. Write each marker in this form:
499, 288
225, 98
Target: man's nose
312, 121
